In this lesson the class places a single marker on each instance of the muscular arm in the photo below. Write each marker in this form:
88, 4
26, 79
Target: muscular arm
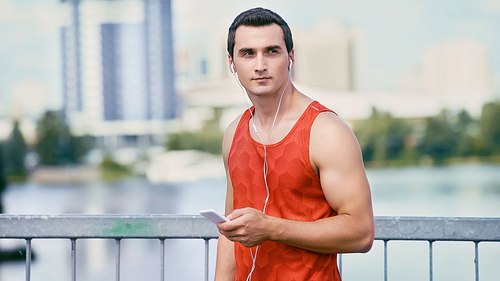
225, 267
336, 156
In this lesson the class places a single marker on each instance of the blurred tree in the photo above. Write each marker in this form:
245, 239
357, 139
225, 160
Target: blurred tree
439, 141
79, 147
112, 170
395, 135
370, 134
208, 139
56, 145
15, 152
465, 128
381, 137
48, 133
211, 134
3, 178
490, 127
65, 154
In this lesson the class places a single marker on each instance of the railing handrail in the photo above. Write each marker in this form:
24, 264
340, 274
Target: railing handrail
188, 226
438, 228
106, 226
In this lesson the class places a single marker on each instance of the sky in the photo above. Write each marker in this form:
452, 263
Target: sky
397, 33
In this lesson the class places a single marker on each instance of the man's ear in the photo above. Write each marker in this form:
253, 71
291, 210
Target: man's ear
291, 59
232, 68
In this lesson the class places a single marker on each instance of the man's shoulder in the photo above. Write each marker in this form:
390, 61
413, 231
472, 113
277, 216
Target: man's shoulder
330, 128
328, 119
332, 141
229, 135
231, 128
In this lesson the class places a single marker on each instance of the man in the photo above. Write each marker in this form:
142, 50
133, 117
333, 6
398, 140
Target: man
297, 192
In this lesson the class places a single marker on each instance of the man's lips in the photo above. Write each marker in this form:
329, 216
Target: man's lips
260, 79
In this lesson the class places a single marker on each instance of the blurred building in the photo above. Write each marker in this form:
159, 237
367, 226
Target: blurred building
456, 65
118, 69
331, 56
460, 72
203, 61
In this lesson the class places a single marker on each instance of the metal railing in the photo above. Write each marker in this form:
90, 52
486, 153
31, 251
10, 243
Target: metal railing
163, 227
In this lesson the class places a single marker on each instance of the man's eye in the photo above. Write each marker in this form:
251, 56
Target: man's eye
247, 53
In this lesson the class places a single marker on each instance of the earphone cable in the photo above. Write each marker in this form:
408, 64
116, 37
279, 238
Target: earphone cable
265, 164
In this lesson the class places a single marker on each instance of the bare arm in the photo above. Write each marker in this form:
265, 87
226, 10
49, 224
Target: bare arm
336, 156
226, 267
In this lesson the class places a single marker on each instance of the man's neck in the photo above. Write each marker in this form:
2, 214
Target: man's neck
267, 108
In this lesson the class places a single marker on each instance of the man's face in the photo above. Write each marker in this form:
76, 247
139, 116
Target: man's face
260, 58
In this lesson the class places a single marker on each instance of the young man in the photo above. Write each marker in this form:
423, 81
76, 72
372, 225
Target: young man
297, 192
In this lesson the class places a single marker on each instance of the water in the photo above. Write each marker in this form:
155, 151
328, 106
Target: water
465, 190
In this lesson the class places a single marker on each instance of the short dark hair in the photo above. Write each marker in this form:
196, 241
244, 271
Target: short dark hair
259, 17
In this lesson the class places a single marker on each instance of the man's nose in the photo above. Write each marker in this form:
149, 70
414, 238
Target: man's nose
260, 63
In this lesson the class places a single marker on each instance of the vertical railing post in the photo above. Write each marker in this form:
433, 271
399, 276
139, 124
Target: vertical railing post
476, 260
118, 248
73, 259
431, 263
28, 259
385, 260
207, 248
340, 265
162, 259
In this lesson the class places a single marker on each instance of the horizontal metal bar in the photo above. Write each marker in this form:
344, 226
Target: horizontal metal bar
173, 226
437, 229
106, 226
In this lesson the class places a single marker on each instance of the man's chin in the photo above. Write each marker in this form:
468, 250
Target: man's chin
261, 91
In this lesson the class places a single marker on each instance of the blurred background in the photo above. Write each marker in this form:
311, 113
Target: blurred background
111, 107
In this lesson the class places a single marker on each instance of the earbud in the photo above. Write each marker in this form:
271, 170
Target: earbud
291, 64
233, 70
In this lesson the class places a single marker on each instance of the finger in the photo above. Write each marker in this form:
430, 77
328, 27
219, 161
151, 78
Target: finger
230, 233
231, 236
236, 214
227, 226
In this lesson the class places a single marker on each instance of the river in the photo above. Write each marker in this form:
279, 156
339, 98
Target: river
468, 190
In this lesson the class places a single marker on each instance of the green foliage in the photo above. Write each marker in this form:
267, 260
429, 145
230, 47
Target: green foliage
48, 132
440, 140
80, 145
444, 138
3, 178
490, 127
208, 139
382, 137
15, 152
113, 171
467, 130
56, 145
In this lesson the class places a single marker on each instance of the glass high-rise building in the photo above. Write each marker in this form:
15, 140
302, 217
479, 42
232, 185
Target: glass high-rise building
118, 68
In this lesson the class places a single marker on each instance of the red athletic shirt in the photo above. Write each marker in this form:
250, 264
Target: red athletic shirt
295, 194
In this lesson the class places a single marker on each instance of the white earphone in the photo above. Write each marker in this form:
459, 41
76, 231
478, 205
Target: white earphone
291, 65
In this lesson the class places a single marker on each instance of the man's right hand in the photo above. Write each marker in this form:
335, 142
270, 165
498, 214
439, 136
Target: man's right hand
248, 226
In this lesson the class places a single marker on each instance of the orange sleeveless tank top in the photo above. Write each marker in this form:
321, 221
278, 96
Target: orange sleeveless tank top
295, 194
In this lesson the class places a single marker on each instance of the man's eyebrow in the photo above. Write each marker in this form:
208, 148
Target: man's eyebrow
244, 50
273, 47
268, 48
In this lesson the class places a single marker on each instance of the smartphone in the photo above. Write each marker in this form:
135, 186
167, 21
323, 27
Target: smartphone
213, 216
